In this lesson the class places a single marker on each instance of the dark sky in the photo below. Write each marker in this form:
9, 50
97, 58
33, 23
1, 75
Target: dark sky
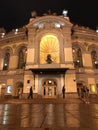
16, 13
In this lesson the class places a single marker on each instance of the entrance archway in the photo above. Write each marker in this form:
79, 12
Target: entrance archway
49, 88
18, 88
79, 86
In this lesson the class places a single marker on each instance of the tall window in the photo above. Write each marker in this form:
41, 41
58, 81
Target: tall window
6, 61
77, 57
94, 59
22, 57
9, 89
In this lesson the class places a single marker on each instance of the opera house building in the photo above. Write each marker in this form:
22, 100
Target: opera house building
48, 53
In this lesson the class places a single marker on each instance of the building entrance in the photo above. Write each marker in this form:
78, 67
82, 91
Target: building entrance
49, 88
18, 89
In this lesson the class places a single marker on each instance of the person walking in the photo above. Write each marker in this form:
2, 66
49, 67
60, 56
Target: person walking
87, 95
63, 91
20, 93
30, 93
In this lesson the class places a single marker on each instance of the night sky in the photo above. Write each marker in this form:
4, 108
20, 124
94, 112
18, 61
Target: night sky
16, 13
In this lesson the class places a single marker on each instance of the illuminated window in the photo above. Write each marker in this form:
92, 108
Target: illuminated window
49, 45
9, 89
6, 60
94, 59
92, 88
77, 57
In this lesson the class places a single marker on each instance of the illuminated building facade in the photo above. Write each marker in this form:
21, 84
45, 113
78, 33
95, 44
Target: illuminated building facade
47, 54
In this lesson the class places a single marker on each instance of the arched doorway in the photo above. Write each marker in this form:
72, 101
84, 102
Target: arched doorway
18, 88
79, 87
49, 88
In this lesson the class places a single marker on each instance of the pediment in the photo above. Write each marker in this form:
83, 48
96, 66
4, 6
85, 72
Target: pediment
49, 21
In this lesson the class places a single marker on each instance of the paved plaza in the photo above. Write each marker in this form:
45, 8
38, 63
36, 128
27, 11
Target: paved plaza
48, 114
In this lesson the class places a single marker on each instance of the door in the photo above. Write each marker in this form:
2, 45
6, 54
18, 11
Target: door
49, 88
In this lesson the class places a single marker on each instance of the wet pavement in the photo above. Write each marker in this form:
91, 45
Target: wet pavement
48, 114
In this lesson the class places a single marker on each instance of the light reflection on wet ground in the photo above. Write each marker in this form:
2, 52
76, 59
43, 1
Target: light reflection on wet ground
49, 116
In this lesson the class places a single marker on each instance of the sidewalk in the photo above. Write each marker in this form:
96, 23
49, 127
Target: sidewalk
69, 98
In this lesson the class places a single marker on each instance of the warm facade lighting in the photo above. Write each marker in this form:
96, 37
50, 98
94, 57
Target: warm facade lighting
16, 31
3, 35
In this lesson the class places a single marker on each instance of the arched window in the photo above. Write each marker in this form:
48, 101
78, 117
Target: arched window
22, 57
6, 61
77, 57
49, 50
94, 59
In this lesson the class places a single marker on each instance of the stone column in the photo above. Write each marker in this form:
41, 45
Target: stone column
70, 81
28, 76
1, 63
